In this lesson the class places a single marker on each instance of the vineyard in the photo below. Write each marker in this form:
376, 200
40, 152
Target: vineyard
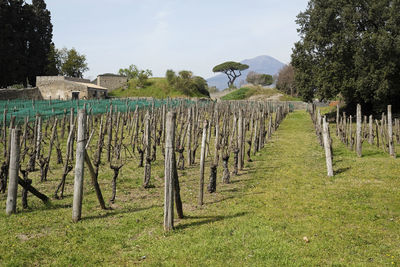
233, 188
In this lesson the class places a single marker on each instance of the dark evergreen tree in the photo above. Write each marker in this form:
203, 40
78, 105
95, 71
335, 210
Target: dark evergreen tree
351, 49
25, 38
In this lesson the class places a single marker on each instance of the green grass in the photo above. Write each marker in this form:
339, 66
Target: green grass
249, 91
155, 87
289, 98
259, 219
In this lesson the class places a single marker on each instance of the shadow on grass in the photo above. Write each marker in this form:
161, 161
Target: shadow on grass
219, 200
117, 212
51, 205
370, 153
207, 220
341, 170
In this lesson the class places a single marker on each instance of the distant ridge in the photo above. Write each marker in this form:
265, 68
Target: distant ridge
260, 64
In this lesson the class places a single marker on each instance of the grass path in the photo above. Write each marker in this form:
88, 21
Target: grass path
260, 219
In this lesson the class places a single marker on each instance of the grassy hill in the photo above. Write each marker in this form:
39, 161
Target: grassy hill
257, 92
155, 87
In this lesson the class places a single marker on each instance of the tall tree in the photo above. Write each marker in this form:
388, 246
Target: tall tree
40, 40
231, 69
349, 48
25, 38
259, 78
73, 64
285, 80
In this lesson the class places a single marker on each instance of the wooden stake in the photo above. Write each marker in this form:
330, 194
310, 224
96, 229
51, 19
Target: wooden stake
169, 171
202, 158
390, 132
327, 147
79, 166
11, 205
358, 136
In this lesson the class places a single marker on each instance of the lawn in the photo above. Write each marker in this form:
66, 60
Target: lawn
281, 210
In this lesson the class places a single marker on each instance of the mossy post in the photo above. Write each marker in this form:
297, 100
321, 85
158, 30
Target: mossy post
358, 132
390, 132
79, 166
169, 171
11, 205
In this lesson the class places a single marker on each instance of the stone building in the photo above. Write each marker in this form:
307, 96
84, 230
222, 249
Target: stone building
111, 81
64, 88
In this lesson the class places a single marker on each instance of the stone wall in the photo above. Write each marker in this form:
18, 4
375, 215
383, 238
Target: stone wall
61, 89
26, 93
47, 79
111, 82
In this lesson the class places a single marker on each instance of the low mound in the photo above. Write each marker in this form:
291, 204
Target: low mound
155, 87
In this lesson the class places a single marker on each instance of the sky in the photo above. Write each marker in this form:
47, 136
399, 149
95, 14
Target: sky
158, 35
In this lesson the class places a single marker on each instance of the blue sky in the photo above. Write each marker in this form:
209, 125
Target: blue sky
174, 34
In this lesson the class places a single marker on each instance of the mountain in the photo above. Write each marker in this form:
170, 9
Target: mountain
260, 64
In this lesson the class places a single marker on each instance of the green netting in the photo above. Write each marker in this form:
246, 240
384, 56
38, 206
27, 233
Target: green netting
22, 109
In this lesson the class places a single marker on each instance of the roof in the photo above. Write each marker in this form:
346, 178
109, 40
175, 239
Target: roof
91, 85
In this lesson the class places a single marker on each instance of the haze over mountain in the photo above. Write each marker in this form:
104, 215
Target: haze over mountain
260, 64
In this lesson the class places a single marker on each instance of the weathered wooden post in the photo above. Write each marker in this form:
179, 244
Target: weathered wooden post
240, 139
202, 159
169, 171
147, 144
109, 133
5, 132
358, 136
337, 119
370, 131
11, 205
390, 132
189, 137
79, 166
327, 147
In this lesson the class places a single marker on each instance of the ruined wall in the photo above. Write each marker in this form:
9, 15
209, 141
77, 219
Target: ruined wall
47, 79
61, 89
111, 82
27, 93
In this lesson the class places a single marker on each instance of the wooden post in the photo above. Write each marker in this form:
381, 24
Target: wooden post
169, 171
390, 132
109, 133
240, 139
5, 133
327, 147
202, 158
189, 137
359, 137
79, 166
11, 205
370, 131
147, 144
337, 119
